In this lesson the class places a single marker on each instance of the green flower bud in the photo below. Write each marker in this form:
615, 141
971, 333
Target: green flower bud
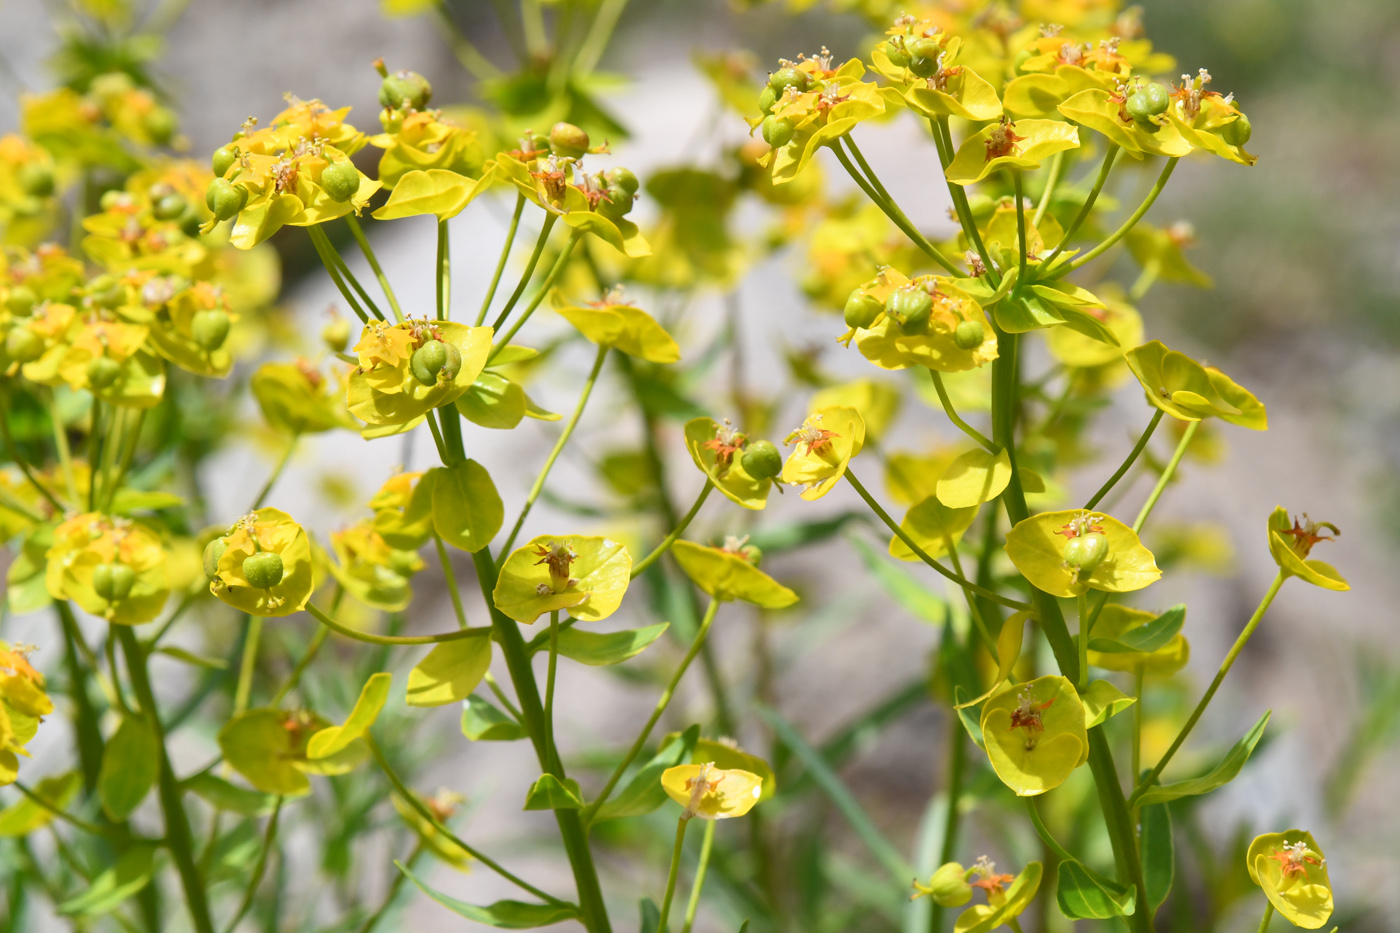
23, 345
21, 300
405, 88
565, 139
623, 178
969, 334
1086, 551
766, 99
341, 180
36, 179
948, 887
336, 334
113, 582
862, 309
752, 554
225, 198
433, 359
223, 160
160, 125
113, 199
777, 132
190, 221
1148, 101
213, 553
103, 372
1237, 131
1020, 60
911, 306
169, 207
106, 292
263, 570
897, 53
761, 460
210, 328
784, 78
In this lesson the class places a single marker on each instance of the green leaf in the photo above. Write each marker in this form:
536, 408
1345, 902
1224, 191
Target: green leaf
493, 401
140, 500
600, 649
1218, 776
482, 722
1102, 701
129, 768
905, 590
223, 795
1158, 855
644, 792
451, 671
335, 739
24, 816
130, 874
467, 510
1144, 638
189, 657
1083, 897
651, 916
549, 793
801, 534
504, 915
970, 718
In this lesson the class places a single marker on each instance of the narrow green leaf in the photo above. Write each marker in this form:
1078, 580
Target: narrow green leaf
651, 916
549, 793
970, 718
451, 671
599, 649
1083, 897
644, 792
1144, 638
129, 768
1218, 776
482, 722
24, 815
336, 739
1102, 701
905, 590
130, 874
1158, 855
800, 534
189, 657
223, 795
504, 915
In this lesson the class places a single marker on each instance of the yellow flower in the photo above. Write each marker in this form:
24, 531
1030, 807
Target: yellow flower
712, 793
111, 566
426, 140
1185, 389
410, 368
1035, 734
1293, 873
588, 576
262, 565
372, 571
823, 446
1069, 552
731, 572
888, 344
1291, 542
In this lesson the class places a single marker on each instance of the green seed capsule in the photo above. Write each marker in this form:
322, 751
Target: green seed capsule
21, 300
897, 54
223, 160
23, 345
911, 306
160, 125
766, 99
1148, 101
225, 198
752, 554
948, 887
761, 460
336, 335
784, 78
969, 334
190, 221
169, 207
616, 203
433, 359
1086, 551
36, 179
341, 180
623, 178
777, 132
213, 553
263, 570
113, 582
405, 88
567, 140
209, 328
1237, 131
111, 200
106, 292
103, 372
1018, 63
862, 309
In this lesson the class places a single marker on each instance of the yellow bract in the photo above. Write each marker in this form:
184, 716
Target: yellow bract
710, 792
588, 576
436, 191
1115, 620
824, 445
1185, 389
976, 477
1290, 543
383, 388
1035, 734
1291, 869
932, 525
273, 530
1020, 145
886, 344
403, 510
425, 141
296, 398
718, 451
370, 570
1037, 547
727, 575
1002, 905
85, 542
832, 106
954, 90
614, 323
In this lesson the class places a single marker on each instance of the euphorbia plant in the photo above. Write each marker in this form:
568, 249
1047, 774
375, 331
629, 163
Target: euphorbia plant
1028, 121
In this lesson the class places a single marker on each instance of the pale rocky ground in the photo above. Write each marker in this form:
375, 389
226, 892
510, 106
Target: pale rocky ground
232, 59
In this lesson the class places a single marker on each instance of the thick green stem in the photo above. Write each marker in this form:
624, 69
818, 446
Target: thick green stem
177, 824
550, 219
681, 825
247, 664
640, 742
1166, 476
1082, 604
1021, 240
675, 534
501, 263
256, 878
359, 234
1138, 676
550, 671
877, 194
706, 844
1107, 487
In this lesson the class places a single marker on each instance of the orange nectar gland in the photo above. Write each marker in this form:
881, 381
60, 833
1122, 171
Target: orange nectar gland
15, 663
989, 880
1305, 534
1086, 546
811, 435
741, 546
558, 557
552, 176
1294, 859
444, 804
726, 443
1003, 140
1027, 715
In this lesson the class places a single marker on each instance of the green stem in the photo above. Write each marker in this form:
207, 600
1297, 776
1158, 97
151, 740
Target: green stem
501, 263
1145, 281
13, 452
443, 455
538, 486
1057, 164
1225, 666
532, 18
550, 218
1107, 487
681, 825
555, 271
902, 535
957, 765
392, 894
1128, 224
329, 258
1166, 476
258, 869
943, 140
410, 798
549, 691
592, 809
276, 474
1268, 916
312, 649
952, 547
639, 567
471, 59
444, 272
177, 824
875, 191
1020, 230
86, 733
451, 579
1138, 676
953, 416
85, 826
94, 446
128, 454
591, 52
372, 639
65, 456
1089, 202
1060, 851
359, 234
693, 905
1082, 604
247, 664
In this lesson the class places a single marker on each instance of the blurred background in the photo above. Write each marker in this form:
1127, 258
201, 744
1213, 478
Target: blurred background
1304, 249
